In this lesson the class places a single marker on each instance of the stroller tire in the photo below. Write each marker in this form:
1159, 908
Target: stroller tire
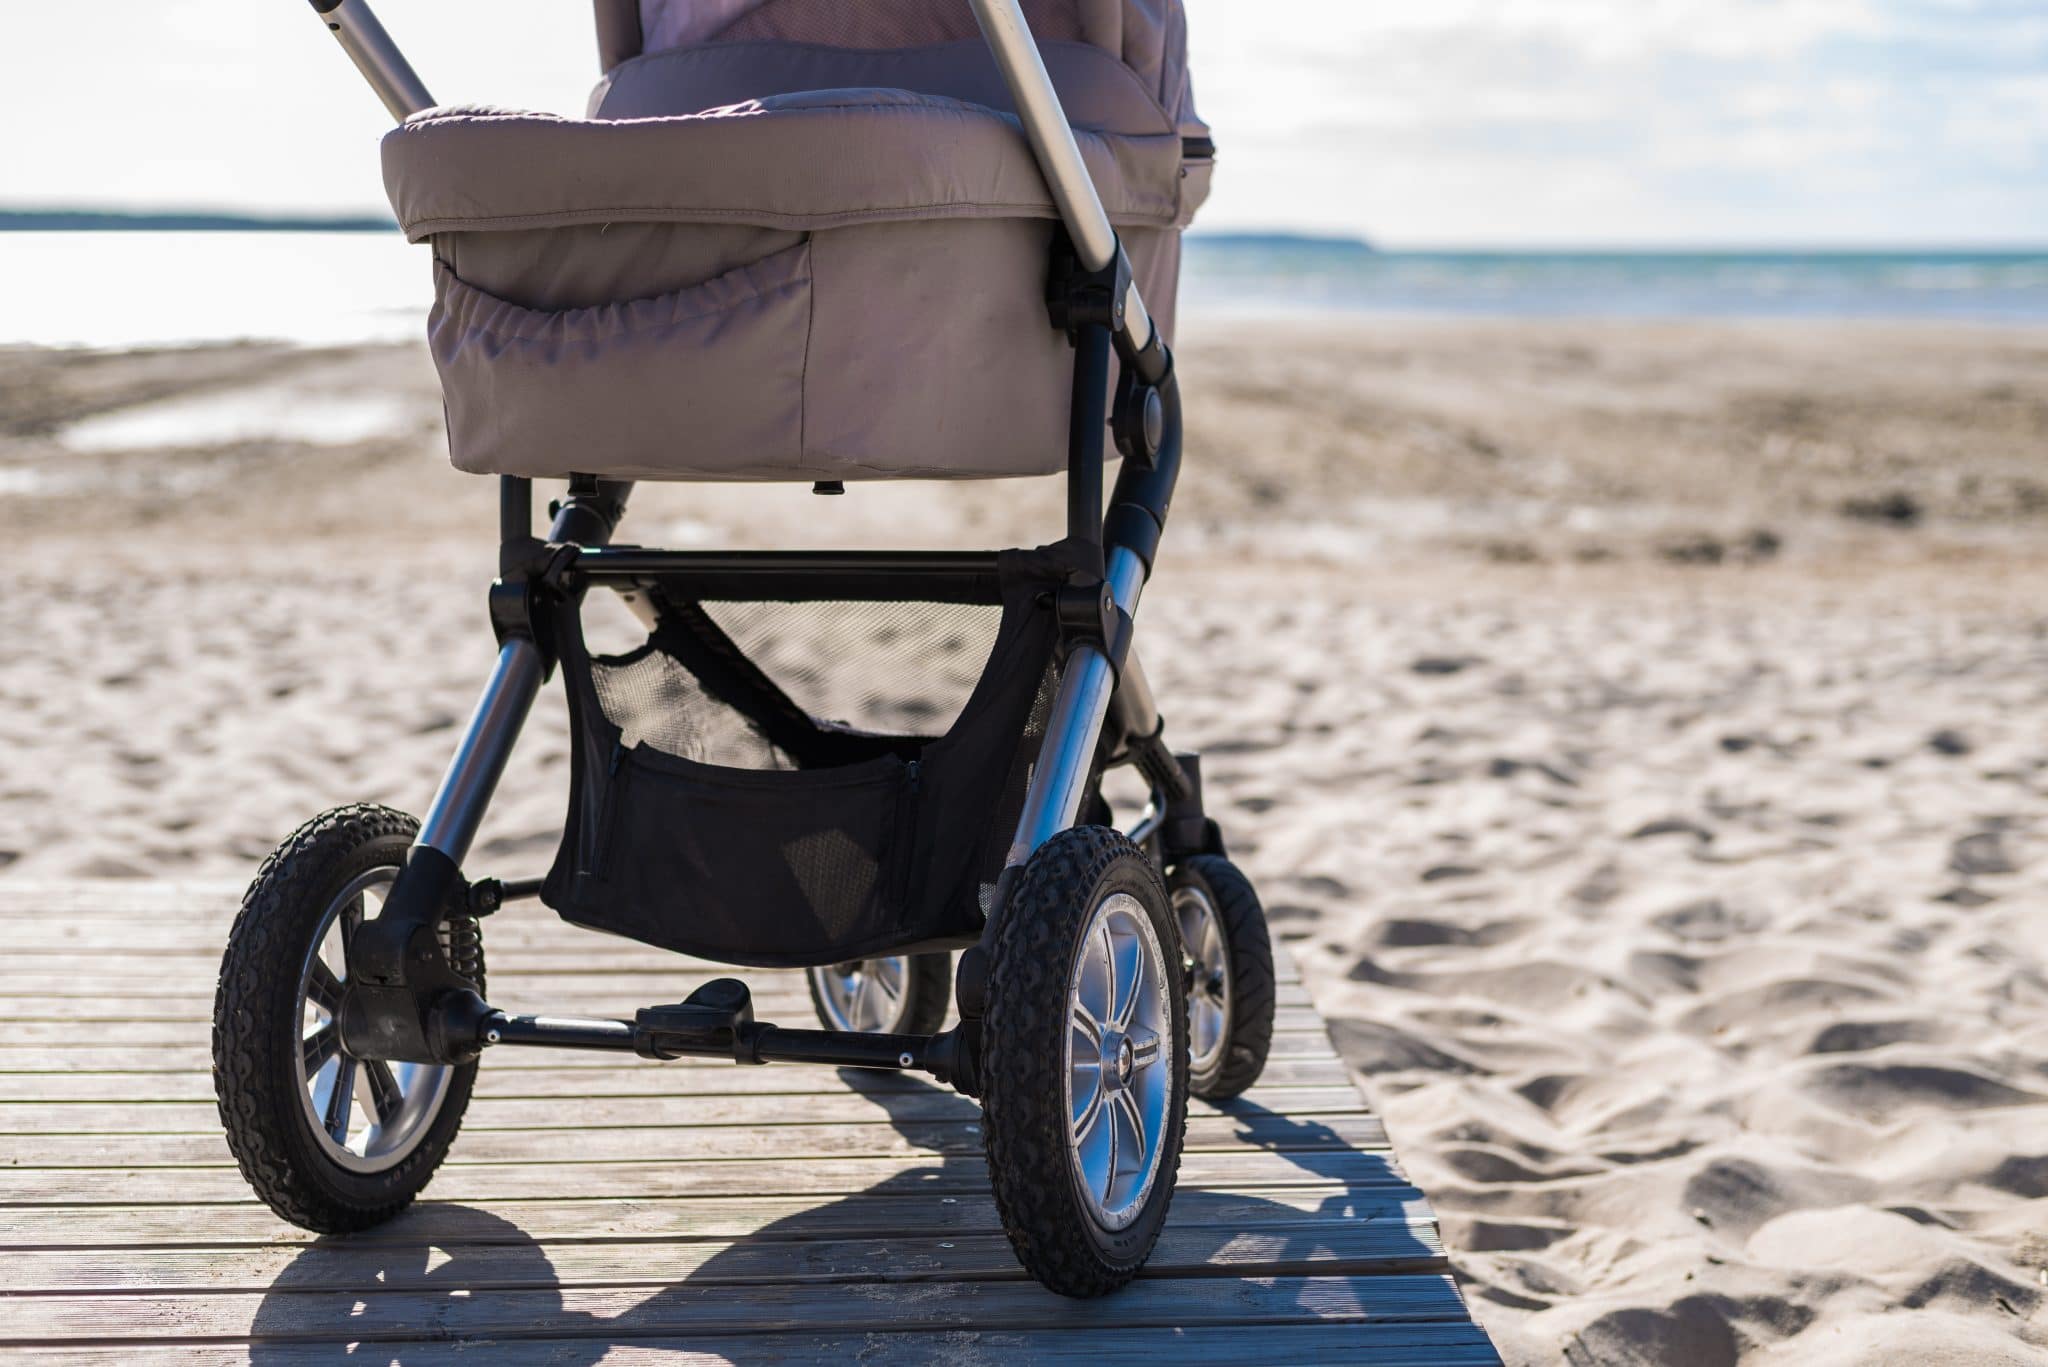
916, 992
1230, 975
331, 1143
1085, 1061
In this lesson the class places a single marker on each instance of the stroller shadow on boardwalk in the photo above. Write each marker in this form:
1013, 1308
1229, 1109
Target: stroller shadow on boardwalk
872, 1262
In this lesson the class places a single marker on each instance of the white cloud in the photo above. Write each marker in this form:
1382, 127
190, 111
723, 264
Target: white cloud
1456, 121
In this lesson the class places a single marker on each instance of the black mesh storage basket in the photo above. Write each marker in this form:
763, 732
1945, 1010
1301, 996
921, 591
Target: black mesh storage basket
804, 780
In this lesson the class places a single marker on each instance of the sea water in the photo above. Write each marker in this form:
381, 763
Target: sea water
126, 289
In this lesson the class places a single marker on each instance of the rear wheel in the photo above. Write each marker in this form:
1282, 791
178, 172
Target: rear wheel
330, 1142
903, 994
1084, 1062
1229, 960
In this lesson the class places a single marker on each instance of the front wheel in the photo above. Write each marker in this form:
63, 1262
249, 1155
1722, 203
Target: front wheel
1085, 1062
902, 994
330, 1142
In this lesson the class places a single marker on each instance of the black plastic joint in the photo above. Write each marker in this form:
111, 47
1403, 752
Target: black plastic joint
1086, 611
1130, 527
1077, 297
1186, 829
1138, 421
428, 885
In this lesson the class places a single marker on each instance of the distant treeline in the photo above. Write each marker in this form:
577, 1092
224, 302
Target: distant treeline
92, 221
1285, 242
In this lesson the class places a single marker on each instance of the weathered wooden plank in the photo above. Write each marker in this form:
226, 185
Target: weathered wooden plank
623, 1079
827, 1176
194, 1004
1418, 1343
878, 1214
1300, 1247
1168, 1302
194, 963
192, 1053
446, 1224
512, 1113
709, 1143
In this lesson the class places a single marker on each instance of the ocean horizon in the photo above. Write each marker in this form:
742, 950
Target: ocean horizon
186, 279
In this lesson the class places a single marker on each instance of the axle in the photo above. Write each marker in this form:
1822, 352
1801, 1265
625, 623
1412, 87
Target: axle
717, 1021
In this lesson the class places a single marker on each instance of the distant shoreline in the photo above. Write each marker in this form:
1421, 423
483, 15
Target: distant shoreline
96, 221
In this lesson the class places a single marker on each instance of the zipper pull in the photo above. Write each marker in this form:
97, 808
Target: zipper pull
911, 772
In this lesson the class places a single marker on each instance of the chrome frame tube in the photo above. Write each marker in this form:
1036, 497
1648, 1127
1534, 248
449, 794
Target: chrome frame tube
1066, 757
376, 56
1059, 155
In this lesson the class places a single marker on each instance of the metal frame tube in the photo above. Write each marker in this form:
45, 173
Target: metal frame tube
376, 56
1066, 756
1059, 155
472, 775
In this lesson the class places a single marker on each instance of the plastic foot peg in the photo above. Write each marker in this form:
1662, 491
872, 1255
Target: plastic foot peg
716, 1018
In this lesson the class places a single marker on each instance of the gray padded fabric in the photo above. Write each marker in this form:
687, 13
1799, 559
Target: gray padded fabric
820, 159
1098, 91
1148, 36
765, 260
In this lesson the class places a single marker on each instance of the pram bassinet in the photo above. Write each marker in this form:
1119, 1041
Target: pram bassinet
808, 242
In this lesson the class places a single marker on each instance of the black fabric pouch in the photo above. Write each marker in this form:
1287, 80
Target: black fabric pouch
807, 780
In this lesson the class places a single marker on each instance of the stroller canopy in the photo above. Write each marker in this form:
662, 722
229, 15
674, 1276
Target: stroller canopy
1149, 37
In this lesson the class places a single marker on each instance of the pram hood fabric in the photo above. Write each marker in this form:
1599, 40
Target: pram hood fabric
1149, 37
788, 250
806, 161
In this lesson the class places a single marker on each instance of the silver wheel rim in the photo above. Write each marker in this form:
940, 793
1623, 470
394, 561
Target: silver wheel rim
1208, 963
367, 1114
870, 996
1119, 1065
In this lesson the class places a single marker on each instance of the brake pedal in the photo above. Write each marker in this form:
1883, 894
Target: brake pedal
714, 1017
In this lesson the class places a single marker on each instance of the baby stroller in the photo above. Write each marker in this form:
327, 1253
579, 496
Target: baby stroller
824, 241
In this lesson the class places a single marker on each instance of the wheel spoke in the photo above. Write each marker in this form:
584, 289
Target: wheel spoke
1108, 1127
1144, 1048
351, 917
1129, 978
335, 1115
320, 1046
1127, 1110
1085, 1022
1090, 1106
323, 988
386, 1096
1105, 1009
858, 1013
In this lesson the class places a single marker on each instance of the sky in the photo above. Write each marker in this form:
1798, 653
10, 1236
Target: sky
1454, 123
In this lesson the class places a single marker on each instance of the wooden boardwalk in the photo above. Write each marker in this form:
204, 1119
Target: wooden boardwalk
594, 1209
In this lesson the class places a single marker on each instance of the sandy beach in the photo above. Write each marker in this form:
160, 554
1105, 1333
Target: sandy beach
1640, 731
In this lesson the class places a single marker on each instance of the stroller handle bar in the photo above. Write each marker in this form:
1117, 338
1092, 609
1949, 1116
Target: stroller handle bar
1059, 156
377, 57
356, 28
